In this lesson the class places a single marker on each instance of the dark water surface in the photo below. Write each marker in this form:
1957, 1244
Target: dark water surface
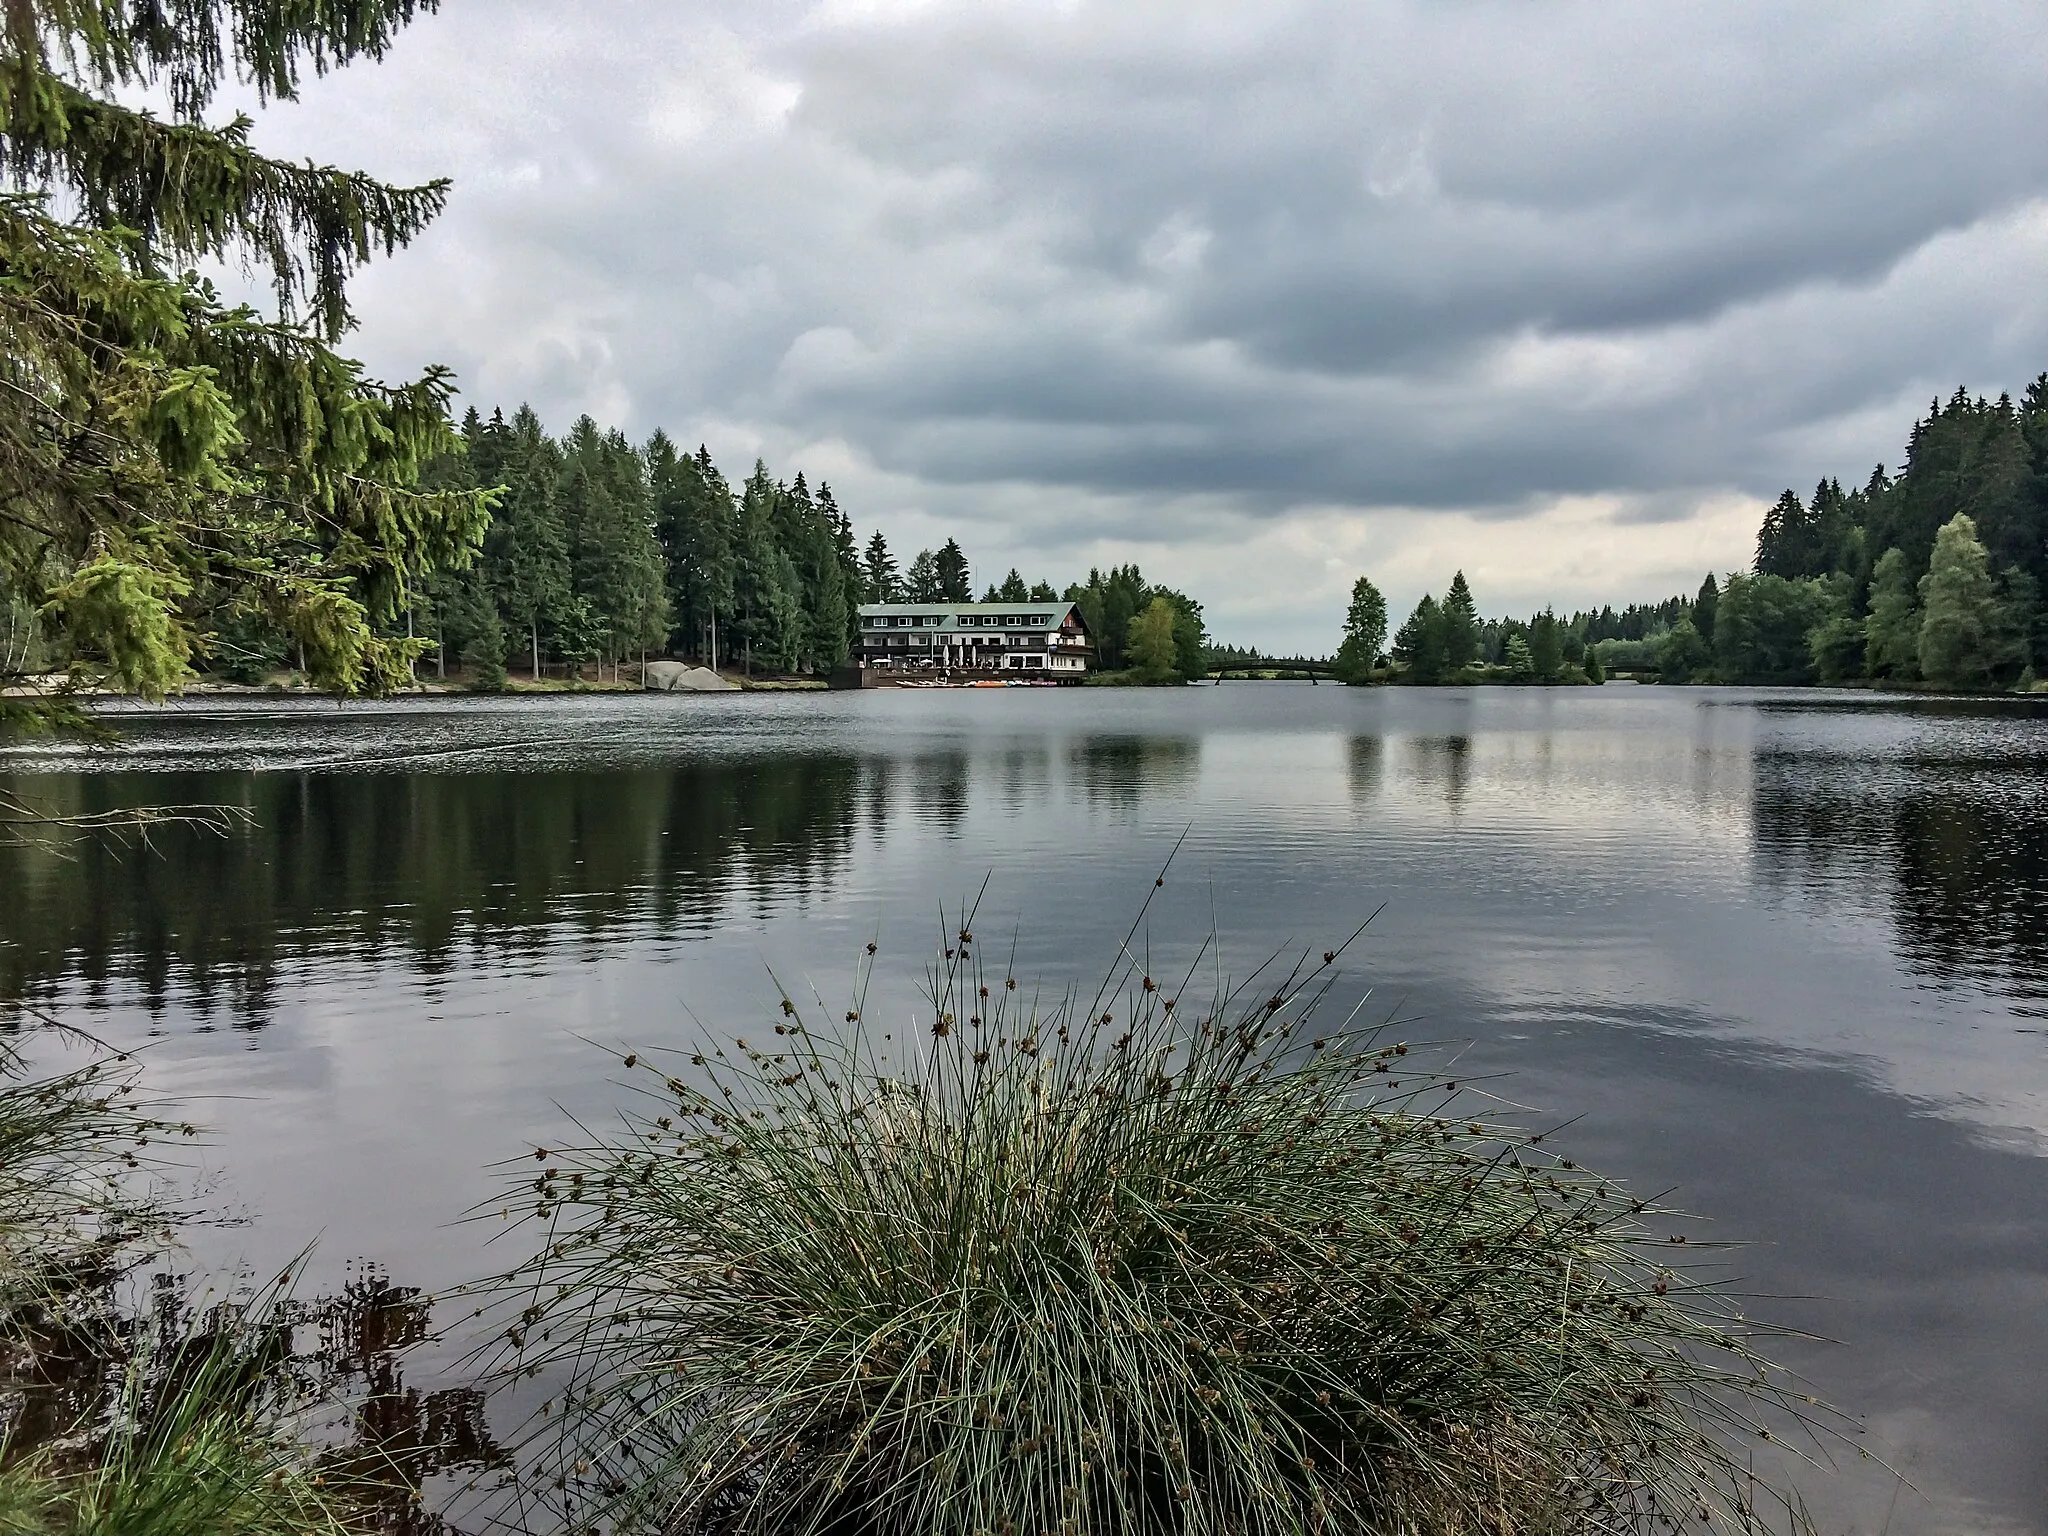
1787, 953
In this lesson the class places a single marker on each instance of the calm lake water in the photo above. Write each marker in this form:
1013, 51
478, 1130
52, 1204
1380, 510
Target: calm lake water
1783, 953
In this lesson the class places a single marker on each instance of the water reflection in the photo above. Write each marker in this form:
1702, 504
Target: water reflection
1444, 762
1365, 761
447, 869
1118, 771
336, 1363
1707, 920
1956, 857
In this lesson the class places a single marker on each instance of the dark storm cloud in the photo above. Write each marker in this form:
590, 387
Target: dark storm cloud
1058, 272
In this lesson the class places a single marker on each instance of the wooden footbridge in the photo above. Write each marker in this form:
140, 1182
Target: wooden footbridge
1270, 668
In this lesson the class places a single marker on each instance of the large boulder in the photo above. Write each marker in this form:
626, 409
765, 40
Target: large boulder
680, 677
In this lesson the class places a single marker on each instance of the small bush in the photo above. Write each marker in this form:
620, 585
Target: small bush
1122, 1265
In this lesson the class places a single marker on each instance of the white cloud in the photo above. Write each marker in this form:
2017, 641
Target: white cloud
1259, 295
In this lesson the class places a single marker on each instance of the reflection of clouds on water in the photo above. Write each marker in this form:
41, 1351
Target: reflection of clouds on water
1620, 894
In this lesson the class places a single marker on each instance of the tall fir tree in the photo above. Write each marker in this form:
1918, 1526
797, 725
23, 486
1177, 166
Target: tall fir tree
922, 582
617, 565
1546, 646
164, 456
956, 582
1703, 608
1419, 643
531, 564
1460, 625
879, 576
765, 610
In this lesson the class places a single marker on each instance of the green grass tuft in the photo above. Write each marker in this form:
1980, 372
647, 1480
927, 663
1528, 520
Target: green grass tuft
1114, 1265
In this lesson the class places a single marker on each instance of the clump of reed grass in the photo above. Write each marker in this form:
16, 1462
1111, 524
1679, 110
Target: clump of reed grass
75, 1158
163, 1425
198, 1435
1119, 1264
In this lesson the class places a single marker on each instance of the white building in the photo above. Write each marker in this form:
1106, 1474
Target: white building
1045, 640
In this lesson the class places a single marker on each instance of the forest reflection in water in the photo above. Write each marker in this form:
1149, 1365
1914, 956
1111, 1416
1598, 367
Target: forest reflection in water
1783, 950
455, 868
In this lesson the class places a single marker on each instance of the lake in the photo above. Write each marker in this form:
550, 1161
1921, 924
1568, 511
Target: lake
1785, 954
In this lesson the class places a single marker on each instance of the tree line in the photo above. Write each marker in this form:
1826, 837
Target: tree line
1446, 641
1931, 576
598, 552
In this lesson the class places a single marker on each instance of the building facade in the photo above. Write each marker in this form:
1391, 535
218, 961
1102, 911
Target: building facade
1030, 641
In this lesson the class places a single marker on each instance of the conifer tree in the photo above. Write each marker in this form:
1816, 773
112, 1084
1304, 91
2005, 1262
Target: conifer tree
1460, 625
878, 571
922, 583
1419, 644
668, 473
706, 528
1546, 647
1703, 608
765, 610
829, 633
1784, 545
955, 583
1043, 592
1108, 603
1516, 657
1013, 589
853, 586
159, 450
532, 563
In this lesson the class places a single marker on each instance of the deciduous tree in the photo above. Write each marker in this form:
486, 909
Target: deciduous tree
1891, 630
1150, 645
1365, 632
1965, 636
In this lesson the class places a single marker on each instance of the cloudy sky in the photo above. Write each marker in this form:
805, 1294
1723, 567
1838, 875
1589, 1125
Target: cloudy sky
1261, 295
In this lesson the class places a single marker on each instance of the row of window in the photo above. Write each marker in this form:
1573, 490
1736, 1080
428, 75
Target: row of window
976, 640
966, 621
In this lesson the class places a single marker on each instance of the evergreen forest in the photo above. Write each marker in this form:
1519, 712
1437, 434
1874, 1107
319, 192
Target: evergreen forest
600, 552
1928, 578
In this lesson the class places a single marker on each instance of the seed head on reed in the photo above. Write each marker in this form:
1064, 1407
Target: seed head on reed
1106, 1266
